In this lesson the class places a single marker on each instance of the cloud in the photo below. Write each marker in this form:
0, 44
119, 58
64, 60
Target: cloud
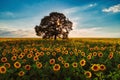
71, 10
95, 32
72, 13
114, 9
92, 5
23, 27
78, 8
77, 33
85, 32
4, 32
7, 14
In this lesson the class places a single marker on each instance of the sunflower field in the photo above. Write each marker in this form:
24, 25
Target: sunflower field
73, 59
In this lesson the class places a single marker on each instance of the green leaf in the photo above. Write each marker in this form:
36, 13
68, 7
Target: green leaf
95, 79
68, 78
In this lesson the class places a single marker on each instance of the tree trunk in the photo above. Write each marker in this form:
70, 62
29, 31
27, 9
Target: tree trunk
55, 37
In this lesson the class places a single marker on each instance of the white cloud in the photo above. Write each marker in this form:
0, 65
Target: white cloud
92, 5
71, 10
95, 32
78, 8
23, 27
5, 32
7, 14
85, 32
114, 9
76, 19
24, 33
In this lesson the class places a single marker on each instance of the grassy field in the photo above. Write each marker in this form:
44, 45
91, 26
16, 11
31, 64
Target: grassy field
73, 59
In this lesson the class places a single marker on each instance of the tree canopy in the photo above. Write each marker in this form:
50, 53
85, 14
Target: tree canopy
55, 25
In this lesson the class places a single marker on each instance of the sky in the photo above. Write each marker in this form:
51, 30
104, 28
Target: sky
91, 18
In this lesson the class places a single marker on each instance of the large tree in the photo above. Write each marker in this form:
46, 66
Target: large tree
53, 26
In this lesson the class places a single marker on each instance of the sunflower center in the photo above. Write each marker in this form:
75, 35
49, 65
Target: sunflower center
95, 67
2, 69
56, 67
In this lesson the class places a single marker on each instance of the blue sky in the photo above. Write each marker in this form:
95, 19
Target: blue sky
91, 18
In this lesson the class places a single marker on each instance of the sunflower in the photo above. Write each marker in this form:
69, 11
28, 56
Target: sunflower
7, 65
88, 74
82, 62
91, 54
31, 52
94, 53
23, 54
82, 53
110, 56
52, 61
27, 67
37, 62
17, 64
29, 55
63, 62
100, 54
64, 48
41, 53
95, 67
24, 60
20, 56
89, 57
71, 53
118, 66
102, 67
48, 53
74, 64
35, 58
37, 54
75, 50
13, 58
103, 48
3, 54
25, 50
76, 54
39, 65
3, 59
56, 67
69, 49
96, 48
79, 51
21, 73
66, 65
15, 55
66, 52
34, 49
2, 69
91, 49
57, 49
60, 58
54, 53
